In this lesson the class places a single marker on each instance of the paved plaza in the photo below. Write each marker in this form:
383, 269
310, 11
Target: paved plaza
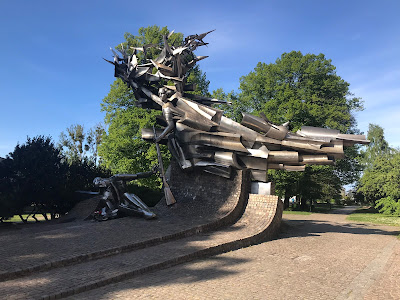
317, 256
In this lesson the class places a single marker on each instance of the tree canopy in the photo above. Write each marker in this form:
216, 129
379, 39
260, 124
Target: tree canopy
378, 146
304, 90
381, 179
79, 145
37, 176
380, 183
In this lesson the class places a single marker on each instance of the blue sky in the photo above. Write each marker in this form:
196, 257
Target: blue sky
52, 74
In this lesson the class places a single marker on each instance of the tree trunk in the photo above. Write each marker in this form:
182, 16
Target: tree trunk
23, 220
303, 203
286, 201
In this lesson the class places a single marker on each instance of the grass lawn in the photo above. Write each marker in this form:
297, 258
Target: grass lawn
325, 208
17, 219
296, 212
370, 215
318, 208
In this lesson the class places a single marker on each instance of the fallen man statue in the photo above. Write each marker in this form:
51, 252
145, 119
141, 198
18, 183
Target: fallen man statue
117, 200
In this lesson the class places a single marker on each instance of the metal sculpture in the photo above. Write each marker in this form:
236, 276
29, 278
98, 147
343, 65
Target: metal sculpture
117, 200
169, 198
198, 135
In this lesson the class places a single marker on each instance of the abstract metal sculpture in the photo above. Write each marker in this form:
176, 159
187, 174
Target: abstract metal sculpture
198, 135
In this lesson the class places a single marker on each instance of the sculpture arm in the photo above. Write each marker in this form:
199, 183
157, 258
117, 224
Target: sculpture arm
130, 177
167, 112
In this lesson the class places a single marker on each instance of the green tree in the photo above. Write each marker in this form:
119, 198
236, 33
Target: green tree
302, 89
38, 174
378, 146
380, 183
10, 203
381, 179
233, 110
122, 148
78, 144
305, 90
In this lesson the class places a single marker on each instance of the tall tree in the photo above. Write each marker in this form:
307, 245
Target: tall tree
73, 142
38, 174
380, 183
10, 202
381, 178
378, 145
122, 149
235, 108
302, 89
305, 90
79, 145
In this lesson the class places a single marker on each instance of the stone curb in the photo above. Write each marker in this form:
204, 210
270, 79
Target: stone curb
268, 231
229, 218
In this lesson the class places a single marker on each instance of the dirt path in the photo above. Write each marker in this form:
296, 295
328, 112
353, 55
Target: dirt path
318, 256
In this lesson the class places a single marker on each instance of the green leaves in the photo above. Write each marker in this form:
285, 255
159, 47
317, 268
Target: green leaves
79, 145
36, 175
380, 182
305, 90
302, 89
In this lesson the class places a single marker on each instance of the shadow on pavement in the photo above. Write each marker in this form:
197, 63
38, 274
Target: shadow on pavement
302, 228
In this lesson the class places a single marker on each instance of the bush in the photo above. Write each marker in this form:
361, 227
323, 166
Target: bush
380, 183
79, 176
36, 175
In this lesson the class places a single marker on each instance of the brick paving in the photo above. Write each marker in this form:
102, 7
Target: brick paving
320, 256
41, 246
387, 286
77, 278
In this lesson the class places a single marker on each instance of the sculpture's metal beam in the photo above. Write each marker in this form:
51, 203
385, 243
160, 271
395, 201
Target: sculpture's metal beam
261, 125
255, 163
283, 156
260, 152
227, 159
219, 171
315, 160
218, 140
228, 125
258, 175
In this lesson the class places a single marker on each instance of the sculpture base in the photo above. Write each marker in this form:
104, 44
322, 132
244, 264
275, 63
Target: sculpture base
204, 197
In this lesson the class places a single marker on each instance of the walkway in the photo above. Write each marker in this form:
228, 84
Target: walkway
318, 256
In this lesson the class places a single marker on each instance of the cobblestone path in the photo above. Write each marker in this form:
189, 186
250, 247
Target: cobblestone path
318, 256
65, 271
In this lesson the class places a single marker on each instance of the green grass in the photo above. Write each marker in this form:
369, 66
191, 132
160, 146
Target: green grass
370, 215
318, 208
17, 219
296, 212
